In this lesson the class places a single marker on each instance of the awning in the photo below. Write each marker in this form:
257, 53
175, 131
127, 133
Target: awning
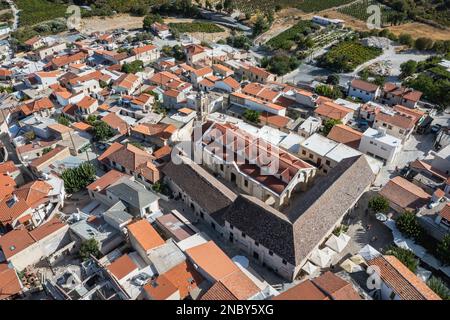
349, 266
368, 252
310, 268
337, 243
320, 258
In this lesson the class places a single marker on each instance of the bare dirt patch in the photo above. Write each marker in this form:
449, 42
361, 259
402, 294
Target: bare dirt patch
415, 29
102, 24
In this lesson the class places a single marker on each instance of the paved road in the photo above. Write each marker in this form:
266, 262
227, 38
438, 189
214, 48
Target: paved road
224, 19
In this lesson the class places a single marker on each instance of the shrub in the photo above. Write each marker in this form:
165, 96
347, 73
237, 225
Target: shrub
443, 249
379, 204
133, 67
251, 115
439, 287
329, 124
102, 131
408, 225
328, 91
88, 248
405, 256
186, 27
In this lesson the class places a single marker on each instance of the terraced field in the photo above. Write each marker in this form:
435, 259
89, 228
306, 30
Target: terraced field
34, 11
307, 6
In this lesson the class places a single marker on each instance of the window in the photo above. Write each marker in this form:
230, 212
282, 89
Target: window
270, 253
384, 124
389, 127
243, 235
221, 167
392, 295
303, 152
246, 182
311, 156
256, 244
284, 261
401, 131
371, 142
231, 227
327, 162
325, 171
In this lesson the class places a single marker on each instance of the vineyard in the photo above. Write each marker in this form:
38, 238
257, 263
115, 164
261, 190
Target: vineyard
286, 39
189, 27
35, 11
346, 56
359, 11
307, 6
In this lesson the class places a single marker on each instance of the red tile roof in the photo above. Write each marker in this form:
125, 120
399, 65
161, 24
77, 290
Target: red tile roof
364, 85
445, 212
122, 267
145, 234
106, 180
401, 280
345, 134
9, 282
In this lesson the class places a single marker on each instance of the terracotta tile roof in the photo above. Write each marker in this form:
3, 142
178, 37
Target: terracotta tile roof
35, 145
33, 40
86, 102
145, 234
194, 49
335, 287
106, 180
256, 100
332, 110
364, 85
5, 73
207, 83
184, 277
116, 122
139, 50
162, 152
67, 59
7, 185
273, 119
203, 71
305, 290
445, 212
218, 291
49, 155
47, 229
122, 267
160, 289
422, 165
416, 114
70, 109
128, 156
396, 120
211, 259
172, 93
163, 131
60, 128
259, 72
126, 81
9, 282
230, 81
240, 285
401, 280
81, 126
222, 68
17, 240
36, 105
405, 93
8, 166
404, 193
164, 77
346, 135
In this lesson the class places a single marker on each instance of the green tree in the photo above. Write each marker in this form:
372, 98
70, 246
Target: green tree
91, 119
423, 43
328, 91
333, 79
329, 124
408, 68
219, 6
151, 19
379, 204
408, 225
102, 131
133, 67
63, 120
88, 248
260, 25
405, 256
46, 150
251, 115
75, 179
439, 287
443, 249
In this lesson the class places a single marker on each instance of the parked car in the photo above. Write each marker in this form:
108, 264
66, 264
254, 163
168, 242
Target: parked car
435, 128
